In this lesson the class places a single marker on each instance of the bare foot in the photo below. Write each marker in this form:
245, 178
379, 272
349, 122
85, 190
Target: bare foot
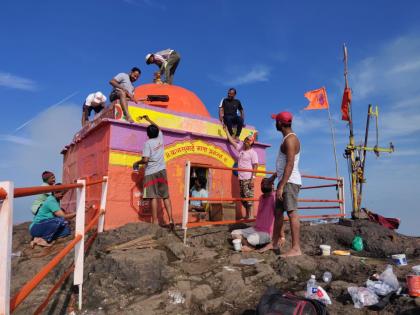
282, 241
292, 253
246, 248
40, 241
267, 247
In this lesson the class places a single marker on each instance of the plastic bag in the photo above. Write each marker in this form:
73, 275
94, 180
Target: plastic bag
379, 287
357, 244
389, 278
362, 296
387, 282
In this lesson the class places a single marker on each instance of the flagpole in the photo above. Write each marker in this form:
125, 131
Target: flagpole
333, 136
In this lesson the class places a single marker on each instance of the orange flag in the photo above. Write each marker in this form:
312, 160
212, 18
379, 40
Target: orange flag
317, 99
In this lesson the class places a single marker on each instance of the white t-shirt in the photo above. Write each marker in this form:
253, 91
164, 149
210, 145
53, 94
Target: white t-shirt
154, 150
202, 193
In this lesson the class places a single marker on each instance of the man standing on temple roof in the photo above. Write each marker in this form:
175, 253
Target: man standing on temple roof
94, 102
228, 113
123, 89
167, 60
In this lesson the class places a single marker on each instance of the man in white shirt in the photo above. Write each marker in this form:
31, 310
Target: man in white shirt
155, 183
167, 60
94, 102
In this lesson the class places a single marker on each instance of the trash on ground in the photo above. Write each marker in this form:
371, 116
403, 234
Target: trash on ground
341, 252
416, 270
237, 244
315, 292
176, 297
386, 282
362, 296
399, 259
326, 249
413, 285
357, 244
17, 254
228, 268
323, 221
327, 276
250, 261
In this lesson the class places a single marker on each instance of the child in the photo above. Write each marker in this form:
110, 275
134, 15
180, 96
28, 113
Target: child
48, 178
199, 191
261, 233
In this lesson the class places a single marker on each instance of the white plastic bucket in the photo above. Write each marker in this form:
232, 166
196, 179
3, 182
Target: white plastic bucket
326, 250
399, 259
237, 244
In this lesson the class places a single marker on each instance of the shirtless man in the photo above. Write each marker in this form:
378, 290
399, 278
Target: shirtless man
287, 171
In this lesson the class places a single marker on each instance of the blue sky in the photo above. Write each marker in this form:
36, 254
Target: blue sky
55, 53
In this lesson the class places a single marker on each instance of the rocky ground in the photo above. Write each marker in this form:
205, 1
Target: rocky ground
206, 276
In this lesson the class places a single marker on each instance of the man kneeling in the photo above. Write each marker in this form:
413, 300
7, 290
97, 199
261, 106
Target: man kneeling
50, 222
261, 233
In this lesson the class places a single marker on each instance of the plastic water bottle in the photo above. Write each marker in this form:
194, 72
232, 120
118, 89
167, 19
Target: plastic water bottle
327, 276
311, 287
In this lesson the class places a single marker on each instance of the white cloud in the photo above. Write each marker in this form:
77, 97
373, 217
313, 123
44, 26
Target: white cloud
12, 81
257, 73
16, 139
23, 164
393, 71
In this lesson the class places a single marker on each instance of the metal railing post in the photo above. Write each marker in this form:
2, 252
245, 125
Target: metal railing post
102, 206
342, 196
6, 226
186, 199
80, 230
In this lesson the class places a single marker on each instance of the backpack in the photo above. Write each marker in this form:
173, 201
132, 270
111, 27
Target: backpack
274, 302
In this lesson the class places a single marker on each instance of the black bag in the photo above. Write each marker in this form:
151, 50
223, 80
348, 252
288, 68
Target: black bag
274, 302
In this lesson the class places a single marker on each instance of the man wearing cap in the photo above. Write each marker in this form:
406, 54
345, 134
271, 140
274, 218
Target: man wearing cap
48, 179
94, 102
167, 60
287, 172
247, 159
123, 89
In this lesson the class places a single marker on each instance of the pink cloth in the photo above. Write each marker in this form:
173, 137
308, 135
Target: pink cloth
265, 215
245, 160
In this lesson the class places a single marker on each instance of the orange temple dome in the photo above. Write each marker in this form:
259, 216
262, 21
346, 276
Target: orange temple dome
180, 99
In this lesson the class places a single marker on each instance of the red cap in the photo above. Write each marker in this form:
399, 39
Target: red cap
284, 117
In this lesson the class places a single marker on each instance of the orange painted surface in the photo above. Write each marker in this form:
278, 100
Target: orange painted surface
124, 204
87, 159
180, 99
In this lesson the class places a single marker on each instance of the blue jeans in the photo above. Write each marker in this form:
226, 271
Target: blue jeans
231, 121
51, 229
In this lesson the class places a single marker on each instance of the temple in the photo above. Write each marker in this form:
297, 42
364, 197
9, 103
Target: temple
110, 145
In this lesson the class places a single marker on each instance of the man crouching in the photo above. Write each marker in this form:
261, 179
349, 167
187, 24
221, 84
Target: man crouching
261, 233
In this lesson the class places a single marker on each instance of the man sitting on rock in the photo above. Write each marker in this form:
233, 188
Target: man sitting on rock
261, 233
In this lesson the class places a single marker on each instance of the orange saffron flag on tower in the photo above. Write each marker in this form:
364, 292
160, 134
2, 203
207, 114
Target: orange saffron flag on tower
317, 99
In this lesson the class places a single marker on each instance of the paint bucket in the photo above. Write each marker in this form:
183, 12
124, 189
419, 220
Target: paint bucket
413, 284
399, 260
237, 244
326, 250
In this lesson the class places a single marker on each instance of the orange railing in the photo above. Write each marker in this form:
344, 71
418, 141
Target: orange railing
339, 201
7, 195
